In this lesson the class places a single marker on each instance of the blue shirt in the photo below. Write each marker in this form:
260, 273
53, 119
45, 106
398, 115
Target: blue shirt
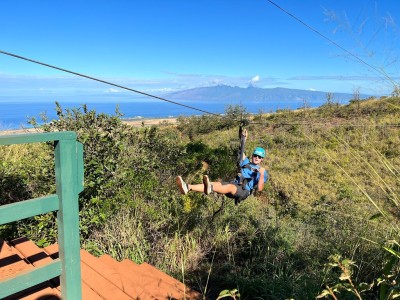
250, 173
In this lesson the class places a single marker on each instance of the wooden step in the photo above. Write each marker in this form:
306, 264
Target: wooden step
102, 278
156, 286
134, 288
35, 255
101, 285
160, 277
11, 261
52, 250
190, 294
87, 292
153, 270
102, 268
112, 275
149, 270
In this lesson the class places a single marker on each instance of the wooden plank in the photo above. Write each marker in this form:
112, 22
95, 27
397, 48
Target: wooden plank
27, 279
35, 255
106, 271
11, 261
89, 294
153, 270
28, 138
135, 288
160, 284
41, 291
29, 208
102, 285
68, 218
151, 283
52, 250
148, 269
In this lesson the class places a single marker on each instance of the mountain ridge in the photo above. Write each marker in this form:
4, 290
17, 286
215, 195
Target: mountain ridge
256, 94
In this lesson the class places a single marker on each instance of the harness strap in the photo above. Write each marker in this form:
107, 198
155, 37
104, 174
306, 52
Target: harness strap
244, 180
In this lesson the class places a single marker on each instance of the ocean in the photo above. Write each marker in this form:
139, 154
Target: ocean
15, 114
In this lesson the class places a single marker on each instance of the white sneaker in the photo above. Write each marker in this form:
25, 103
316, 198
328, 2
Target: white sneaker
207, 185
183, 187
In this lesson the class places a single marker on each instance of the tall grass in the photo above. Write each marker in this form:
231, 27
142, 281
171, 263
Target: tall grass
322, 200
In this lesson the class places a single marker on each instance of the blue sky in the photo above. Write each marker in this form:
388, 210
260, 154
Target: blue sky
161, 46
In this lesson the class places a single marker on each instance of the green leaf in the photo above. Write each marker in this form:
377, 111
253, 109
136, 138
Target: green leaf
344, 276
392, 251
228, 293
323, 294
375, 216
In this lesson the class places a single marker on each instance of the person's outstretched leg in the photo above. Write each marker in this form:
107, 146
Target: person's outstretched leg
206, 187
185, 187
217, 187
226, 188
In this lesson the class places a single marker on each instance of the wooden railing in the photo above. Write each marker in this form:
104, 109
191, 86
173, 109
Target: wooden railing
68, 155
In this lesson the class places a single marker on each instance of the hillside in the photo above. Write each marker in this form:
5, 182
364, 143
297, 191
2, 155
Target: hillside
330, 205
251, 93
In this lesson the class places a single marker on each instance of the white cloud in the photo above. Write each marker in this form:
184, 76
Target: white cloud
112, 90
160, 90
255, 79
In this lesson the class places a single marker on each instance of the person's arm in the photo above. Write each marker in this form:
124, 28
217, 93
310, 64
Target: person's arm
260, 184
244, 135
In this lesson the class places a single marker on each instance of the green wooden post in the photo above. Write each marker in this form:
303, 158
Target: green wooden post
69, 182
68, 218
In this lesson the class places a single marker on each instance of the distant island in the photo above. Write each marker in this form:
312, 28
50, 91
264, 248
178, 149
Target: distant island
255, 94
14, 111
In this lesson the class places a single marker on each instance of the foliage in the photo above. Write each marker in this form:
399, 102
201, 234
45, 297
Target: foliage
233, 294
332, 196
25, 173
196, 125
345, 267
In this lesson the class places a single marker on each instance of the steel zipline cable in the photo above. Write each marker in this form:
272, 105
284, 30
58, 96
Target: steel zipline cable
378, 71
336, 125
106, 82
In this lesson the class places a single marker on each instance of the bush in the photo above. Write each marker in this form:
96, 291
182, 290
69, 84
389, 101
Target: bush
327, 178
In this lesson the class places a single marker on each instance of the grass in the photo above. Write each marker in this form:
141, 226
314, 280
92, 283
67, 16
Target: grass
333, 174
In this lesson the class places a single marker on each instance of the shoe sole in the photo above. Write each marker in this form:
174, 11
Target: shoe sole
180, 183
207, 187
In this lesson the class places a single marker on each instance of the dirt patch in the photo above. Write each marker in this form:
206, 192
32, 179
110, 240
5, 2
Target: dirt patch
150, 122
133, 123
18, 131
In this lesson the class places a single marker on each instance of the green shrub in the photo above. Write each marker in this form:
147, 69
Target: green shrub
332, 189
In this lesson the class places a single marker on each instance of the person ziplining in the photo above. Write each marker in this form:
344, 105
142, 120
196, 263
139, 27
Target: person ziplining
251, 177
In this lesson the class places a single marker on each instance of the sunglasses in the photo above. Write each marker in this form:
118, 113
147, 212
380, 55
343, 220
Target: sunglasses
257, 156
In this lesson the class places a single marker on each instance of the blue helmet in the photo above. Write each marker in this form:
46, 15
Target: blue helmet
259, 151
